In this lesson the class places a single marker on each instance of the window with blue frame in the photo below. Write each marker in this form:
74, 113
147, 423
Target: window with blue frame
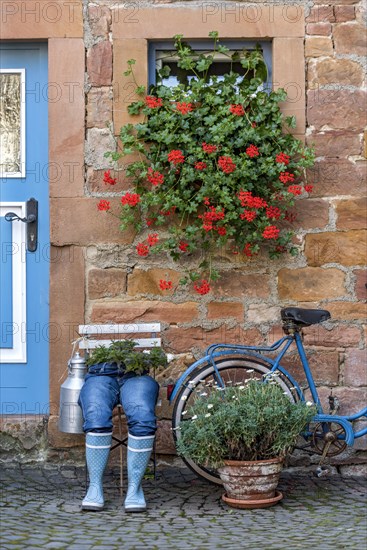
162, 54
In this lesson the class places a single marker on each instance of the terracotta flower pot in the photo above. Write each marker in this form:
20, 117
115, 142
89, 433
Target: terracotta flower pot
251, 484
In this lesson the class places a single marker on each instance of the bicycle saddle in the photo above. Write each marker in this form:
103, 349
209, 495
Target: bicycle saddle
305, 317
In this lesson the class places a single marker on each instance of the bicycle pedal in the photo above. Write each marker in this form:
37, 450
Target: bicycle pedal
322, 471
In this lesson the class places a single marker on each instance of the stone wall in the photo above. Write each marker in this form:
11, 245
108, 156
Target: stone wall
244, 305
245, 302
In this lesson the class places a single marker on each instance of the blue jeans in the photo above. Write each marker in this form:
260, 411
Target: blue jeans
102, 391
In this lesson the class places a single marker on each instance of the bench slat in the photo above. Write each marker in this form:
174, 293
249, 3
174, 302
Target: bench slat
130, 328
141, 343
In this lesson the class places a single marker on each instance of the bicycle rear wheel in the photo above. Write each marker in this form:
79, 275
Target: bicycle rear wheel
233, 370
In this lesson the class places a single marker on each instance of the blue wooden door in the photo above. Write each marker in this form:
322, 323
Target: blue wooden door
24, 275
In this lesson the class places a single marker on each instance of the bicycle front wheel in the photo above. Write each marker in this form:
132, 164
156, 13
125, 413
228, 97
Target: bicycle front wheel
233, 370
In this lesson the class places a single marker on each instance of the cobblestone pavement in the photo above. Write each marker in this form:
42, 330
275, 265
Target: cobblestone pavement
40, 508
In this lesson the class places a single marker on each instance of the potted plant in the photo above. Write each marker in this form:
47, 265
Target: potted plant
124, 355
245, 432
214, 166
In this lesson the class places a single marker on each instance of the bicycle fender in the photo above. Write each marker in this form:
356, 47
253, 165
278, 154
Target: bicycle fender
223, 353
349, 433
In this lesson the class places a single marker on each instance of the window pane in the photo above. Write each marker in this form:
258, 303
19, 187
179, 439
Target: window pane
10, 122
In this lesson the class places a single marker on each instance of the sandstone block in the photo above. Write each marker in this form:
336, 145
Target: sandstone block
262, 313
99, 141
320, 29
73, 225
324, 365
344, 247
337, 143
321, 14
333, 177
311, 214
310, 283
360, 284
347, 311
318, 46
99, 64
344, 13
183, 340
355, 367
337, 336
147, 281
335, 71
106, 283
337, 109
235, 283
351, 400
95, 182
145, 311
99, 107
60, 440
352, 213
165, 444
99, 20
350, 38
226, 310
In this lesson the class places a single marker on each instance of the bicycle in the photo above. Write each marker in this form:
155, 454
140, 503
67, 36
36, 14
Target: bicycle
328, 434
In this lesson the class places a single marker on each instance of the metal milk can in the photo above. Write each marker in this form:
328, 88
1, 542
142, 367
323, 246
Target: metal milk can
71, 418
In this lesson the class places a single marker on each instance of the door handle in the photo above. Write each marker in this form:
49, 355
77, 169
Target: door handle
31, 219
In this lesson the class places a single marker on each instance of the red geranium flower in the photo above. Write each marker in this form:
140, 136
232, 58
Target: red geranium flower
273, 212
308, 188
295, 189
248, 200
108, 179
165, 285
226, 164
282, 158
183, 246
209, 148
248, 215
176, 156
104, 205
252, 151
200, 165
271, 232
184, 108
286, 177
153, 102
202, 287
237, 110
142, 249
152, 239
132, 199
155, 178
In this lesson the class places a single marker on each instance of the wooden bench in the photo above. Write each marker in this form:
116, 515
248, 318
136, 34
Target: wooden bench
94, 335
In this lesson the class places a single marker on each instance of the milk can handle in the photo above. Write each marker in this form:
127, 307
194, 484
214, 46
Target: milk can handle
75, 343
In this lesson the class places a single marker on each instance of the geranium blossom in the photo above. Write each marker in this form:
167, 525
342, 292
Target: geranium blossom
176, 156
271, 232
104, 205
153, 102
165, 285
155, 177
208, 148
237, 110
108, 179
226, 164
252, 151
184, 108
130, 199
202, 287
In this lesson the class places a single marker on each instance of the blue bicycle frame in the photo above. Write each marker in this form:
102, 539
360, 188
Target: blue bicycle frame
216, 351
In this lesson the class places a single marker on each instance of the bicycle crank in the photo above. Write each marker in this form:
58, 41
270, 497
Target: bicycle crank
329, 439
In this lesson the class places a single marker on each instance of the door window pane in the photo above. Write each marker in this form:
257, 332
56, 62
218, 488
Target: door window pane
11, 122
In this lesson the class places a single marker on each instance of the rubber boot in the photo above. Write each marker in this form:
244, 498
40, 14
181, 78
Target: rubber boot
97, 450
139, 450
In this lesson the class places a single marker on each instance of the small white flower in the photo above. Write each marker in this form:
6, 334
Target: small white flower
207, 415
210, 406
309, 404
241, 387
194, 417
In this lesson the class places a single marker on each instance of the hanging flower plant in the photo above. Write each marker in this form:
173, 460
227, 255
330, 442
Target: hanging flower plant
217, 166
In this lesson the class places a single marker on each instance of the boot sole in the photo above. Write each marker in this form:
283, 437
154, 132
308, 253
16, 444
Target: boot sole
91, 508
136, 509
